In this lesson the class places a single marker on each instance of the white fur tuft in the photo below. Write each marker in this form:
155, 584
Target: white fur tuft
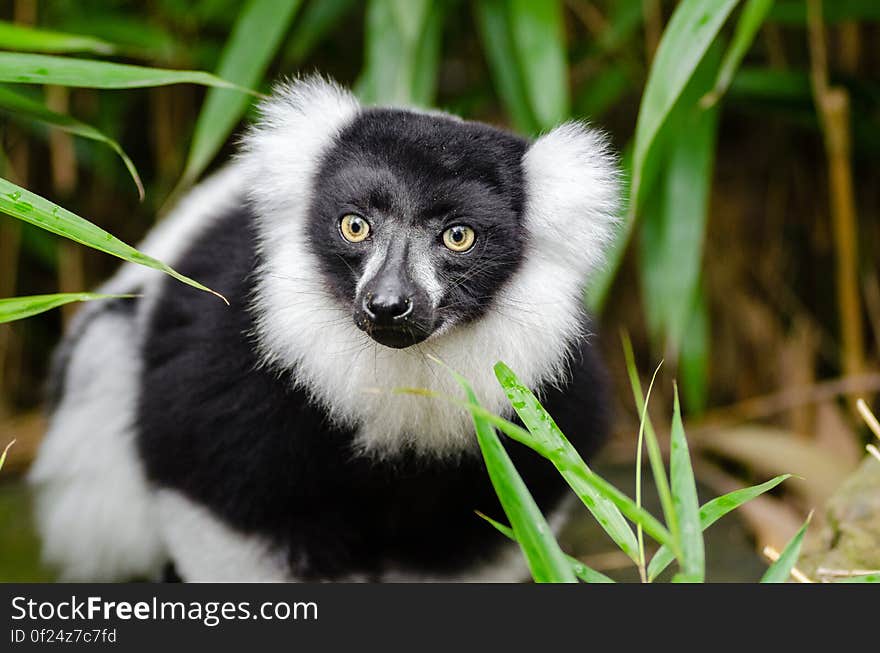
573, 197
281, 153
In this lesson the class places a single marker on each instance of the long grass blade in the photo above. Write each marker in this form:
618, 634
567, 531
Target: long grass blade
687, 506
28, 109
674, 229
132, 35
539, 47
691, 30
579, 474
31, 39
710, 513
20, 203
255, 38
402, 52
18, 308
864, 578
655, 457
750, 21
25, 68
545, 559
541, 425
780, 570
639, 447
693, 358
581, 570
492, 20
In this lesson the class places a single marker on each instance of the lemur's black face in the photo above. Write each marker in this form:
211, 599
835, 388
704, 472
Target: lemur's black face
417, 221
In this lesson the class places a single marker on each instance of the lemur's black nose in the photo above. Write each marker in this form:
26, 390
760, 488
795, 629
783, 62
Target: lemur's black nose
387, 308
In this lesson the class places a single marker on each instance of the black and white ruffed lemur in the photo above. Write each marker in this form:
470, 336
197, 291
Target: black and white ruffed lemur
259, 441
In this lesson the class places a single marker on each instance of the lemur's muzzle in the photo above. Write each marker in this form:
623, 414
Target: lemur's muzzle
392, 309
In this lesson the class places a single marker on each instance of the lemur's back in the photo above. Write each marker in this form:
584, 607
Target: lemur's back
94, 510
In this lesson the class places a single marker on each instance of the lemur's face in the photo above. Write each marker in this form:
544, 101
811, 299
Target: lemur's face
417, 221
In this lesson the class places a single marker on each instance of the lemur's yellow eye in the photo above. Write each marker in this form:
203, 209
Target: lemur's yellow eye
459, 238
354, 228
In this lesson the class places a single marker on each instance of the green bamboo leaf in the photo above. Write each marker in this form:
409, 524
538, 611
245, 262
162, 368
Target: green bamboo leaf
864, 578
674, 226
750, 21
691, 30
655, 457
29, 109
32, 39
22, 68
711, 512
131, 35
694, 356
18, 308
499, 49
20, 203
402, 52
318, 18
780, 570
542, 426
582, 571
640, 445
255, 38
684, 498
546, 560
579, 475
539, 46
427, 57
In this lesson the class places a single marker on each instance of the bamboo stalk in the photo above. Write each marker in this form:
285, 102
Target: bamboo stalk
62, 160
24, 13
832, 104
850, 46
775, 47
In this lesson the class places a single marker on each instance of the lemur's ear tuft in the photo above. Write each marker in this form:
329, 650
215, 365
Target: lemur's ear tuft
298, 122
316, 99
573, 196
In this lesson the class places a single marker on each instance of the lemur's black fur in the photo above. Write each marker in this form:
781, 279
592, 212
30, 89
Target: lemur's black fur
235, 436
